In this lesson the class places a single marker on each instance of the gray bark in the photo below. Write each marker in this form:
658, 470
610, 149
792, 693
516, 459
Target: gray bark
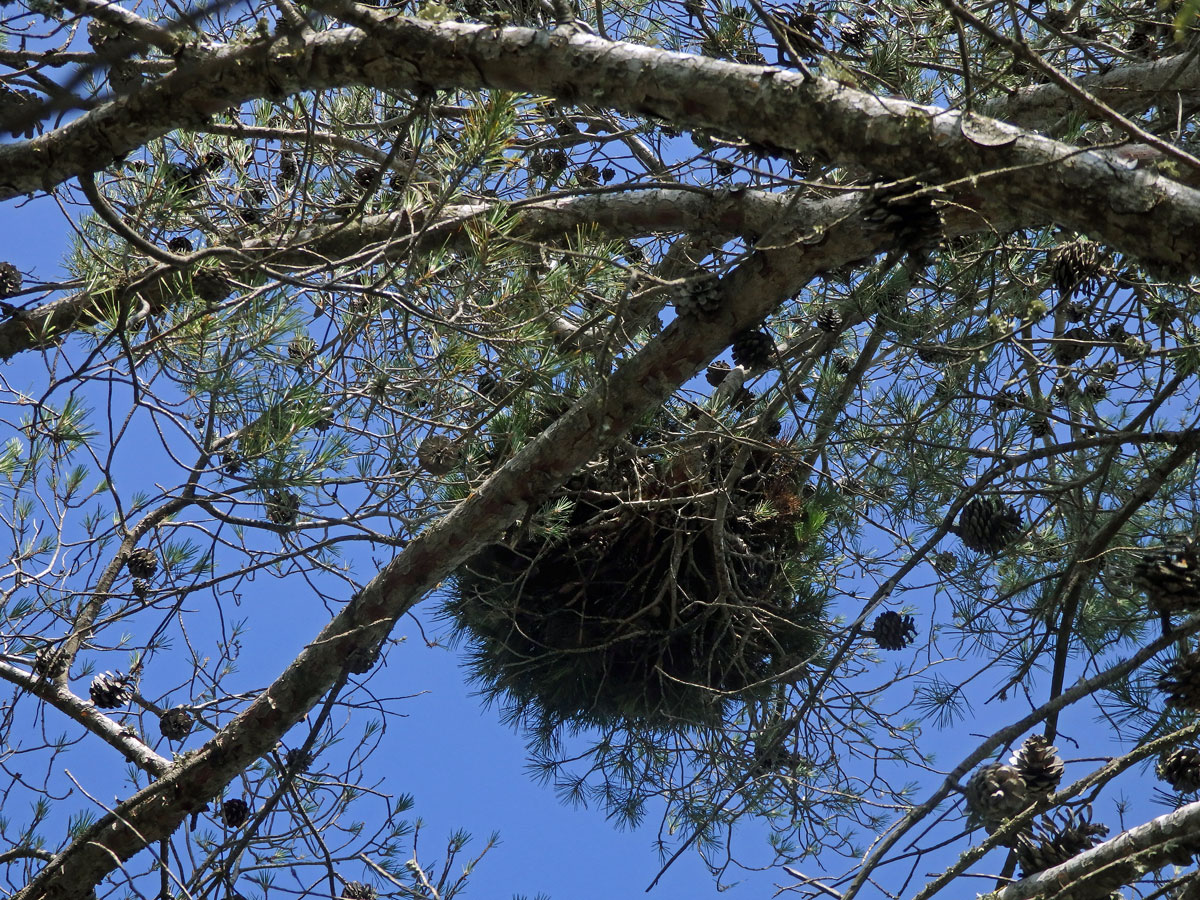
1094, 192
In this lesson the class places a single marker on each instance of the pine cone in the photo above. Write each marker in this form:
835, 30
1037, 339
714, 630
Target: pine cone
855, 34
988, 525
1076, 267
49, 663
211, 285
1181, 769
437, 455
1074, 346
364, 176
283, 507
10, 280
716, 372
235, 812
111, 690
829, 319
1066, 390
1170, 577
893, 631
176, 723
324, 420
752, 349
700, 295
802, 27
1008, 400
102, 35
1059, 837
1133, 348
356, 890
213, 161
1140, 42
945, 562
22, 107
994, 793
491, 387
297, 760
142, 562
362, 660
1075, 311
124, 77
799, 165
185, 180
1040, 766
301, 349
587, 175
1163, 315
914, 221
933, 353
179, 244
549, 163
1181, 682
287, 170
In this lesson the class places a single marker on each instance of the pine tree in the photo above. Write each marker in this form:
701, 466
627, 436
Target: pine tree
378, 318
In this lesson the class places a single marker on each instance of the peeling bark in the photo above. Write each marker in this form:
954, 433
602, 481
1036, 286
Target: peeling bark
1096, 193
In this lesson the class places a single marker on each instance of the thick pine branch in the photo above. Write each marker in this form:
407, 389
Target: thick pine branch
1128, 89
776, 218
1136, 212
1173, 838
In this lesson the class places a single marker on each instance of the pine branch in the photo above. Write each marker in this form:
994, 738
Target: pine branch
1134, 211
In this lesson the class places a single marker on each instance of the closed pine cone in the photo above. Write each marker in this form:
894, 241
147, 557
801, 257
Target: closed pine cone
994, 793
1181, 769
1181, 681
988, 525
1040, 765
1170, 577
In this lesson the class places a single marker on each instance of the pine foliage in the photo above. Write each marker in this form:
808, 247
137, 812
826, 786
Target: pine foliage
863, 448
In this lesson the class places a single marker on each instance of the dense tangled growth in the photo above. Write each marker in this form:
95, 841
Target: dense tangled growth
658, 586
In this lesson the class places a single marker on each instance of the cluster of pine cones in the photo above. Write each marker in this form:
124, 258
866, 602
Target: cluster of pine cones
996, 792
1169, 576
